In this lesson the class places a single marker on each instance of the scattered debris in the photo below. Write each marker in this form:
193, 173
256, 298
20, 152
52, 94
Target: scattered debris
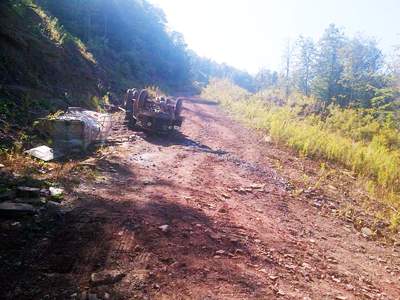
44, 153
56, 192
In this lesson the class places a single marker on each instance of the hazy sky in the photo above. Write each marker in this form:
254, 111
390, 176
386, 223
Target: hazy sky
249, 33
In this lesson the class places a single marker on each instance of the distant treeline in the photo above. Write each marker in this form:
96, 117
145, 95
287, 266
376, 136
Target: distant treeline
134, 37
350, 72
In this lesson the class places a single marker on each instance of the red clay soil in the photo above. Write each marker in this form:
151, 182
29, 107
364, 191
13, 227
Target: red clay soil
235, 228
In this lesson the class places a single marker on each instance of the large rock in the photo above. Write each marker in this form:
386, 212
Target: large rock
106, 277
10, 210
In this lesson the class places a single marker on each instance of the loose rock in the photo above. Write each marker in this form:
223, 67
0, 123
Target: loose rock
92, 297
238, 251
164, 228
106, 277
8, 209
366, 231
8, 195
24, 191
281, 293
37, 201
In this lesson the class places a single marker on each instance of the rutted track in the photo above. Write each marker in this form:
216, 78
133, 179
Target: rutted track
235, 229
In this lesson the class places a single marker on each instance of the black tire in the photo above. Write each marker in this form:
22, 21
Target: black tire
178, 107
141, 102
129, 104
135, 94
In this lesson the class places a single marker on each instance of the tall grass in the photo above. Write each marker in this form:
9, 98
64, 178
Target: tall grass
350, 137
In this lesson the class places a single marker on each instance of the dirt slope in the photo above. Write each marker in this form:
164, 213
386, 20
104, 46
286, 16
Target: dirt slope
235, 230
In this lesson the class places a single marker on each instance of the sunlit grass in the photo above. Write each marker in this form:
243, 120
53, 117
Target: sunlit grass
51, 28
349, 137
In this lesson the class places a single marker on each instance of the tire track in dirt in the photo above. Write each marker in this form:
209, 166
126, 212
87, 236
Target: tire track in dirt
236, 231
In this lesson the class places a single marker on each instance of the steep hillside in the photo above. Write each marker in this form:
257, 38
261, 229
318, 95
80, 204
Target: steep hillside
43, 66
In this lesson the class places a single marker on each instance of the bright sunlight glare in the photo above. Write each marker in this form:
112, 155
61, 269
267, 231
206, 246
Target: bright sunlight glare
249, 34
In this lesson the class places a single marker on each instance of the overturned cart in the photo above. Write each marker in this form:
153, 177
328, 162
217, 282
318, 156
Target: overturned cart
159, 114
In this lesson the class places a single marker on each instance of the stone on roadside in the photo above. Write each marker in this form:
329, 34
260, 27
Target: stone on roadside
2, 166
33, 201
84, 295
106, 277
8, 195
164, 228
92, 296
24, 191
366, 231
9, 209
220, 252
281, 293
239, 251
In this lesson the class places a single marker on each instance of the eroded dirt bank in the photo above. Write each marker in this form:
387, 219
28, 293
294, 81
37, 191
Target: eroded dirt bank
235, 229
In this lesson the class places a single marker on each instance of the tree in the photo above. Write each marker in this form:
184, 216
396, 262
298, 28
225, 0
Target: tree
287, 57
328, 67
395, 66
265, 79
303, 73
361, 60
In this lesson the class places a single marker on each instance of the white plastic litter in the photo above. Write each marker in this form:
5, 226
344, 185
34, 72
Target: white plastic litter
44, 153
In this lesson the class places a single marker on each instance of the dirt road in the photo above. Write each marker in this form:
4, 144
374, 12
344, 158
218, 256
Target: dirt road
235, 229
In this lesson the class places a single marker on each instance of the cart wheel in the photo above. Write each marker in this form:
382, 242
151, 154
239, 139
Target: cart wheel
129, 104
178, 107
140, 103
135, 94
